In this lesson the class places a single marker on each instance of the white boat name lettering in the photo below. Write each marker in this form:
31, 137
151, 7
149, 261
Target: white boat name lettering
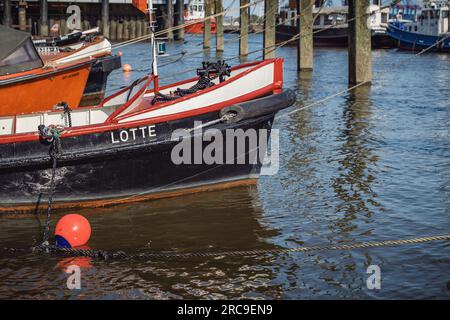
133, 134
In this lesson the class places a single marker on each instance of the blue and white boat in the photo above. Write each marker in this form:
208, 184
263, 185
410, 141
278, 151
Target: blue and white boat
430, 30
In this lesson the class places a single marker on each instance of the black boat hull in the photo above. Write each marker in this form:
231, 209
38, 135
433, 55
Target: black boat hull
106, 168
383, 41
332, 37
94, 91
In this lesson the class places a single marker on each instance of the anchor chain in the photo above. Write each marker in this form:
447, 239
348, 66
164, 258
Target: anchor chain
52, 135
209, 72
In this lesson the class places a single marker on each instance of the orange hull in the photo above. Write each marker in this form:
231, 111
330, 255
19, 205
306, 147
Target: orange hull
197, 27
40, 90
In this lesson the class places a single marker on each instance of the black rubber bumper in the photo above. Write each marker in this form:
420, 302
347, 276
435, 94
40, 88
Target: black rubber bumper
260, 107
108, 63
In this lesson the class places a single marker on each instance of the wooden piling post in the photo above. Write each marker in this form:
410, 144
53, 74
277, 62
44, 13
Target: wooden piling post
119, 30
218, 8
30, 25
179, 19
86, 23
305, 30
138, 28
243, 26
51, 23
7, 19
113, 29
99, 23
360, 46
126, 29
270, 10
168, 20
62, 26
132, 28
207, 26
145, 29
22, 12
105, 18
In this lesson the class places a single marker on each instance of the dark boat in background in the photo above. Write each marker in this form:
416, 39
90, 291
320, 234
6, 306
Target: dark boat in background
330, 28
334, 37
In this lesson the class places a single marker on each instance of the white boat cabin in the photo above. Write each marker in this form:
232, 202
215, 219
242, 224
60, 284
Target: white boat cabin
433, 20
196, 10
334, 15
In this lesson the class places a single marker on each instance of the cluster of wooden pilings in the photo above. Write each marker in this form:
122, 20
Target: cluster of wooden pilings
116, 21
359, 52
124, 28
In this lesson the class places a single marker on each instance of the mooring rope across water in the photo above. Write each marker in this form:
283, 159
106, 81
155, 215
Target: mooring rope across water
122, 255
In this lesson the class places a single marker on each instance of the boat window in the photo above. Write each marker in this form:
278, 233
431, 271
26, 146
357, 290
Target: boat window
22, 59
384, 18
415, 28
445, 14
200, 8
431, 14
194, 7
328, 20
317, 20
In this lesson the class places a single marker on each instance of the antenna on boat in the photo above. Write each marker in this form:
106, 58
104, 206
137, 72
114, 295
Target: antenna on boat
153, 45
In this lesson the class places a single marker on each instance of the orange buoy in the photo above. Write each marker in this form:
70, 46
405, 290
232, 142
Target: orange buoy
126, 67
72, 230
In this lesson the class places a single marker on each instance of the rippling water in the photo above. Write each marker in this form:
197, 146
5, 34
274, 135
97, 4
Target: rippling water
373, 164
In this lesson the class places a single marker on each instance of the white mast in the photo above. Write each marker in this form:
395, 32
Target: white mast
152, 39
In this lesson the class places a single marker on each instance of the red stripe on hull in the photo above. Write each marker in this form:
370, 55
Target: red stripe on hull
197, 27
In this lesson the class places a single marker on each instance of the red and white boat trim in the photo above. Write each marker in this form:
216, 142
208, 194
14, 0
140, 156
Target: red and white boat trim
133, 106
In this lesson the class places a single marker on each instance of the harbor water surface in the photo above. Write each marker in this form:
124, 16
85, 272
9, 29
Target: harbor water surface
369, 165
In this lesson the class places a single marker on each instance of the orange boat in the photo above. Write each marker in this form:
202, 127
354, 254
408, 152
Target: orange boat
28, 85
197, 26
79, 45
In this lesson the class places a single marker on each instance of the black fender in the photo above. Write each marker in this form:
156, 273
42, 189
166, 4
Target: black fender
259, 107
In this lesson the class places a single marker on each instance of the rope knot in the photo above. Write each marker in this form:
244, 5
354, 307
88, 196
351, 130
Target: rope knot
51, 134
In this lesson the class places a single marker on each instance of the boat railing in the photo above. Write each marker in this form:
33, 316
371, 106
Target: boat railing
119, 103
128, 98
